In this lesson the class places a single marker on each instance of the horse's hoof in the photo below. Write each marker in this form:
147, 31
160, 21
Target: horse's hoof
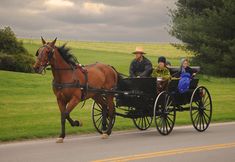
78, 123
104, 136
60, 140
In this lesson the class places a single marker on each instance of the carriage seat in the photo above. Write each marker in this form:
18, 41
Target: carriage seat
173, 85
175, 69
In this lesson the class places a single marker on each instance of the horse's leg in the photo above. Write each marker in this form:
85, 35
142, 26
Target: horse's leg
62, 106
65, 115
70, 106
111, 111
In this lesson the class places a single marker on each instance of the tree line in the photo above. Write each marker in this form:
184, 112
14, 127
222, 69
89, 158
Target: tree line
207, 27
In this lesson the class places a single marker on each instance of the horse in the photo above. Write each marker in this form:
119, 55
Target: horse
71, 84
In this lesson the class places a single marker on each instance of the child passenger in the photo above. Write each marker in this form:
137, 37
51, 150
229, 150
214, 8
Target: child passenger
161, 70
162, 74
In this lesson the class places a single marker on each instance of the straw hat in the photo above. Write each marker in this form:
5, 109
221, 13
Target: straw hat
139, 50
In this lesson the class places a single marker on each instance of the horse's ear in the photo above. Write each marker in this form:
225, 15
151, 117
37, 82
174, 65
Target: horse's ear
53, 42
43, 41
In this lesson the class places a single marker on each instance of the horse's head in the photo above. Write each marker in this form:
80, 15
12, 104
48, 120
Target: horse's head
44, 55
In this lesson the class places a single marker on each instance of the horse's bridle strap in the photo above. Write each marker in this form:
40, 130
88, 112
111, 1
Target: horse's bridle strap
67, 85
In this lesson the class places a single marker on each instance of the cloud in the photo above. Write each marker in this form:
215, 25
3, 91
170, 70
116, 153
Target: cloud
97, 20
55, 4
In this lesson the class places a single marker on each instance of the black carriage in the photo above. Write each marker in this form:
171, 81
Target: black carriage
137, 99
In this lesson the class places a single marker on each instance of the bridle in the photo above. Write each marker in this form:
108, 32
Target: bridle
50, 56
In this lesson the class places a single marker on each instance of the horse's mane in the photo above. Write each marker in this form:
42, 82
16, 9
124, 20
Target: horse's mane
67, 56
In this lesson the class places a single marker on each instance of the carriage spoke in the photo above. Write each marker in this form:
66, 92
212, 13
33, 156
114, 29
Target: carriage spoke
207, 105
98, 119
148, 120
206, 115
196, 118
142, 123
97, 114
166, 124
202, 121
196, 102
97, 109
195, 112
145, 124
206, 99
99, 106
99, 124
169, 124
170, 120
205, 119
160, 122
163, 125
199, 122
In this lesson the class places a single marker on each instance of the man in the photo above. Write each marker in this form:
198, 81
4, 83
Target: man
140, 67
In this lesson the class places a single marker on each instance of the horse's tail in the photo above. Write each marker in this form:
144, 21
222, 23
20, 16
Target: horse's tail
120, 76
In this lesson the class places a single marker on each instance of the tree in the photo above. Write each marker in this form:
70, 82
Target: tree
207, 28
13, 56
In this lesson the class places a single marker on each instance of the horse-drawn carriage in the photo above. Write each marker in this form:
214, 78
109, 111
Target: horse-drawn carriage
137, 99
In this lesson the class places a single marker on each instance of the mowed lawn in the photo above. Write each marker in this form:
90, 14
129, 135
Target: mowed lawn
28, 107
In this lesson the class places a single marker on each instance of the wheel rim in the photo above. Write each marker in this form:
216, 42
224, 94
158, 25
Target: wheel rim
143, 123
164, 113
201, 109
97, 117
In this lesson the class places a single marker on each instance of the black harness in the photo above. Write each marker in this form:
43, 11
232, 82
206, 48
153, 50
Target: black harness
76, 84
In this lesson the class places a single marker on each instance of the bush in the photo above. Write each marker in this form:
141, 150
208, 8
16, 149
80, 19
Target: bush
13, 56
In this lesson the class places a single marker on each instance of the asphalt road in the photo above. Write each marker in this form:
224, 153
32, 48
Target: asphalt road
184, 144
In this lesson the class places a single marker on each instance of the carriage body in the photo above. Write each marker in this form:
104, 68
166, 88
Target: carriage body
138, 99
138, 93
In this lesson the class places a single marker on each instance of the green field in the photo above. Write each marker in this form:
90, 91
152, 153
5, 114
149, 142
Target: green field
28, 106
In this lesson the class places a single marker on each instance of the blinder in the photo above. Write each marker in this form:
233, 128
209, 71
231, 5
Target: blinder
50, 55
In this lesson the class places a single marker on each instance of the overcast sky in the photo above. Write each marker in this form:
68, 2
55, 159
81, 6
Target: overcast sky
93, 20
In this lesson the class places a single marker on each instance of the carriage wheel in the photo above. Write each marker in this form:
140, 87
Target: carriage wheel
201, 108
97, 118
143, 123
164, 113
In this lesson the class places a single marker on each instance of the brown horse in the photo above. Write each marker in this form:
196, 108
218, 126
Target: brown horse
72, 82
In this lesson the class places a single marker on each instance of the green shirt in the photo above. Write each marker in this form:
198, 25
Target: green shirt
164, 73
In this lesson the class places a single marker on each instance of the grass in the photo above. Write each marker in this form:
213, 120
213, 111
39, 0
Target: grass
28, 107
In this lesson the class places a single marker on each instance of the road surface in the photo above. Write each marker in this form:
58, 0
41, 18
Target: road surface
184, 144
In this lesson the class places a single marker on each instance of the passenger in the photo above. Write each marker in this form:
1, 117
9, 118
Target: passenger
161, 70
185, 68
162, 74
140, 67
185, 74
